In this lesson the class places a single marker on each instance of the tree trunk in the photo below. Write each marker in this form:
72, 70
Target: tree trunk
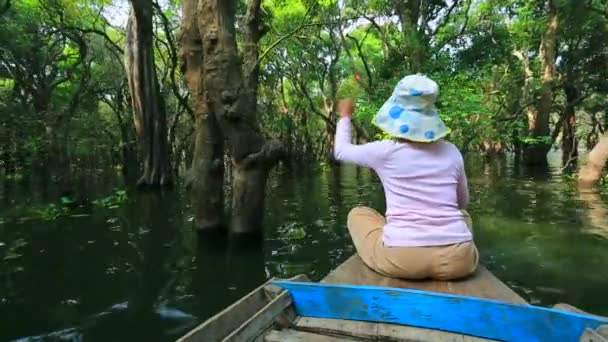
331, 102
329, 143
536, 153
597, 212
409, 14
569, 139
57, 160
55, 149
526, 100
147, 104
206, 177
230, 98
591, 172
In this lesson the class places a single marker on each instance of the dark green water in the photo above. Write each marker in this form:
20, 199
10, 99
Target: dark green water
134, 270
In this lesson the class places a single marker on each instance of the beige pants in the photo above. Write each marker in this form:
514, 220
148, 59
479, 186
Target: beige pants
438, 262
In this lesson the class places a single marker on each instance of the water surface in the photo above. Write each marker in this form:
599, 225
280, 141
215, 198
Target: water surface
130, 267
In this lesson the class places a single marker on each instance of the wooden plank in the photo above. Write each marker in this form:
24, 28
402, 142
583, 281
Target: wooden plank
296, 336
287, 317
591, 335
382, 332
219, 326
261, 320
568, 307
342, 327
459, 314
481, 284
396, 332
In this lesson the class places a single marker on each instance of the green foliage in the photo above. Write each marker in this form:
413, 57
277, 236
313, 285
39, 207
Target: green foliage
464, 109
293, 231
113, 200
12, 251
63, 88
49, 213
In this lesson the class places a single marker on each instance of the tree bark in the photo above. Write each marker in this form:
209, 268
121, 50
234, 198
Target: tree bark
230, 97
569, 139
409, 14
57, 159
536, 153
527, 98
147, 104
591, 172
206, 176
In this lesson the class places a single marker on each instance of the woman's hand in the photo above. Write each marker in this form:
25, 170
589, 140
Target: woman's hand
346, 108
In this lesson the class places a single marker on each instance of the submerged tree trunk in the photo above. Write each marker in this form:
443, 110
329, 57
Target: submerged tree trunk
329, 142
597, 212
569, 139
536, 153
206, 176
231, 97
591, 172
58, 163
148, 106
55, 149
526, 101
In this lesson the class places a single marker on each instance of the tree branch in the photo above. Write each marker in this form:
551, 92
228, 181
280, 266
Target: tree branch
364, 60
466, 18
446, 18
312, 106
82, 53
563, 115
172, 50
295, 31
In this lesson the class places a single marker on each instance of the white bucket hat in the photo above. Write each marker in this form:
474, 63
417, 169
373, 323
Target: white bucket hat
410, 112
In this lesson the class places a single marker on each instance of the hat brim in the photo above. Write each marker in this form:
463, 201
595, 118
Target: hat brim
419, 126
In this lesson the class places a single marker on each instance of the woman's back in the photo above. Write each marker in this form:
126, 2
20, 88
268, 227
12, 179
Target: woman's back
424, 233
424, 183
425, 187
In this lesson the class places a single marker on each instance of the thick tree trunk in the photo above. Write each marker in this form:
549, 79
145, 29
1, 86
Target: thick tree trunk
206, 177
329, 143
526, 101
569, 139
409, 15
55, 150
232, 102
147, 104
330, 105
250, 53
591, 172
536, 153
58, 163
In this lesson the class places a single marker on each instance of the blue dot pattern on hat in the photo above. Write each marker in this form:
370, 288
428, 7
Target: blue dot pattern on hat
395, 112
415, 92
429, 134
404, 128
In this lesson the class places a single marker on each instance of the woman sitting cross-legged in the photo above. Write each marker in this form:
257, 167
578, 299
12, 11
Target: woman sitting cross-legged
426, 233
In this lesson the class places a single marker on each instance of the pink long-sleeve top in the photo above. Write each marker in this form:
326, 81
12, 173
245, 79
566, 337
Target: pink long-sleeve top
425, 186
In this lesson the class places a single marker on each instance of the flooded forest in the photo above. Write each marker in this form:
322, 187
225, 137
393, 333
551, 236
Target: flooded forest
161, 158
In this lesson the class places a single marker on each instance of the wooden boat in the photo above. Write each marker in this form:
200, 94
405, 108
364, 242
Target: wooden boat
354, 303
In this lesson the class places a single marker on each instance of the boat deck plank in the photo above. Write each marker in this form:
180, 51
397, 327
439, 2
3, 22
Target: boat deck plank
353, 271
257, 310
481, 284
289, 335
370, 331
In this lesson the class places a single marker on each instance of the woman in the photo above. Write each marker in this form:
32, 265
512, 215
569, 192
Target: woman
426, 232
